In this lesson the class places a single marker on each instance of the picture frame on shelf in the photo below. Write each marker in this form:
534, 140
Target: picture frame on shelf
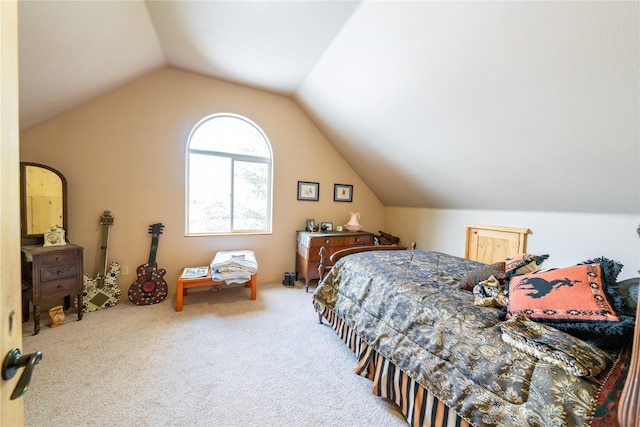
342, 193
308, 191
311, 225
326, 226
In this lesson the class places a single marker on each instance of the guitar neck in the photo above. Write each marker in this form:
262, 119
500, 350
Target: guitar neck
105, 220
103, 255
154, 249
155, 230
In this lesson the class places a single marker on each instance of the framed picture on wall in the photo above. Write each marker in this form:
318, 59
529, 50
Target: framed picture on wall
308, 190
342, 193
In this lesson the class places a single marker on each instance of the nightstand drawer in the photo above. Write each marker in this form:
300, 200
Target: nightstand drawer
60, 287
58, 272
62, 257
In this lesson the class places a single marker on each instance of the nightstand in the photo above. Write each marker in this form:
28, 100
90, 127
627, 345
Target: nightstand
51, 271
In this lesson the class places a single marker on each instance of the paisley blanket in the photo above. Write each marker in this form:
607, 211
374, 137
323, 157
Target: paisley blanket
407, 306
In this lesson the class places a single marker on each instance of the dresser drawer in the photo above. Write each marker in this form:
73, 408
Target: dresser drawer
60, 287
357, 240
65, 257
333, 244
335, 241
327, 242
58, 272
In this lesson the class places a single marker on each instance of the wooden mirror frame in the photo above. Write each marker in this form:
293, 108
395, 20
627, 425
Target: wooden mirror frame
38, 238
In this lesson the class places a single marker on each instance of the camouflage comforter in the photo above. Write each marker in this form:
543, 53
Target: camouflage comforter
407, 306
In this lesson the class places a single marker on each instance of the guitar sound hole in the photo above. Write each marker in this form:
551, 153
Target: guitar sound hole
148, 287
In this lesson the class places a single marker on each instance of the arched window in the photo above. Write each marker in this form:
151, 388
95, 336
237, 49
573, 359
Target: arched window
229, 170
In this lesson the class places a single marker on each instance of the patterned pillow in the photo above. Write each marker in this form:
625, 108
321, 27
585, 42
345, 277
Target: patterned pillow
471, 279
523, 264
602, 333
610, 269
572, 294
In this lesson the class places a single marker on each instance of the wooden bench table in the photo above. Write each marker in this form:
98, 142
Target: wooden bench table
184, 284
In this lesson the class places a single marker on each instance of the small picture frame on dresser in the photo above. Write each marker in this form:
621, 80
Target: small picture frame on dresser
311, 225
326, 226
342, 193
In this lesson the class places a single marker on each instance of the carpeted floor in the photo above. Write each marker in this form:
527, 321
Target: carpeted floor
224, 361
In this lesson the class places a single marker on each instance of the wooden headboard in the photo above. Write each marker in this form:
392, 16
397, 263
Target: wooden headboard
493, 243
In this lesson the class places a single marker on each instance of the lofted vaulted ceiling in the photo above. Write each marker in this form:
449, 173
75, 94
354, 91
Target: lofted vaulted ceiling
530, 106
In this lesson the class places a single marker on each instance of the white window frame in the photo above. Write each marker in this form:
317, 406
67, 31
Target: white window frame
234, 158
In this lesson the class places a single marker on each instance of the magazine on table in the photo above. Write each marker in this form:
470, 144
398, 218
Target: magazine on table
193, 272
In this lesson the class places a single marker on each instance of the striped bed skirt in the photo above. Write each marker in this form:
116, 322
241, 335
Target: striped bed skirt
418, 405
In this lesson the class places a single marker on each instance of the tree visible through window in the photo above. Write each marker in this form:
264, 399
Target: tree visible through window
228, 177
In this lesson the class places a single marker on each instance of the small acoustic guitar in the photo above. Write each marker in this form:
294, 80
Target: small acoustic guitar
102, 292
150, 286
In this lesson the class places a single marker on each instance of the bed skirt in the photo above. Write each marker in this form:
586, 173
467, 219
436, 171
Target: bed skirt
422, 409
419, 406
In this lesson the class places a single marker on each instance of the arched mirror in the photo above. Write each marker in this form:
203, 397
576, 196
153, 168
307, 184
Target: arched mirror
43, 201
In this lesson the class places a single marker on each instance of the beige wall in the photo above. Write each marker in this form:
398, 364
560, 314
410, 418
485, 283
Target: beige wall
125, 152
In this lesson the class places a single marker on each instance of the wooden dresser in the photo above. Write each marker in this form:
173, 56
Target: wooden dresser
51, 271
309, 244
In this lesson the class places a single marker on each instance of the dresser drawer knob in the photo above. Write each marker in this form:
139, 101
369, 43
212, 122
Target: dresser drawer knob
59, 286
59, 272
358, 239
327, 241
58, 259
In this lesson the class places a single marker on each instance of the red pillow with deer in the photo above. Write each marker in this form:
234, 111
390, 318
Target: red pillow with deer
564, 295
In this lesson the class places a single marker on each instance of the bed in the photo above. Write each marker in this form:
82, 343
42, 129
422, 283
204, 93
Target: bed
437, 337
